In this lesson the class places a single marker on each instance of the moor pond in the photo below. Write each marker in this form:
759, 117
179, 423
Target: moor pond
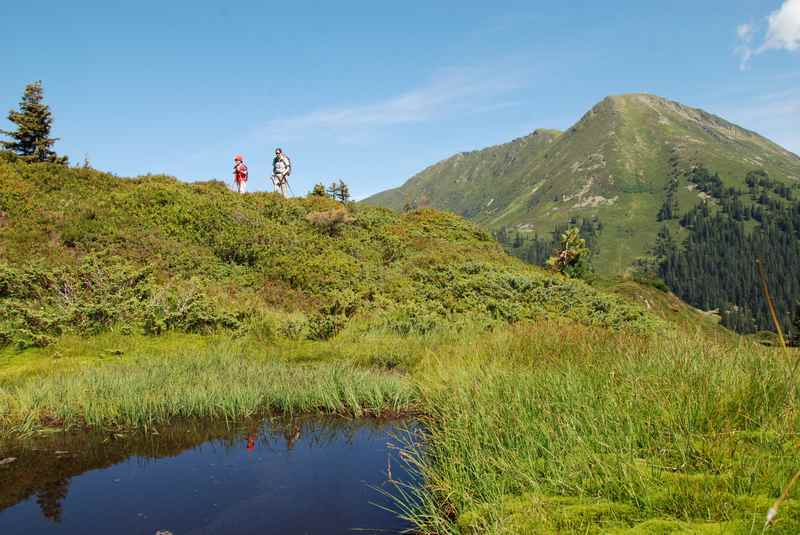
301, 476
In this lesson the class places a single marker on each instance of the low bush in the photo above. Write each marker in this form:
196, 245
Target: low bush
330, 221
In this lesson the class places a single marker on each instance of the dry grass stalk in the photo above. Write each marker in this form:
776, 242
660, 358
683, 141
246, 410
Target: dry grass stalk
773, 511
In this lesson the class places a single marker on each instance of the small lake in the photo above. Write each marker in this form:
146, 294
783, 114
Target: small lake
305, 476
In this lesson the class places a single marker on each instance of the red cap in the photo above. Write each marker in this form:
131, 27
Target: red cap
238, 158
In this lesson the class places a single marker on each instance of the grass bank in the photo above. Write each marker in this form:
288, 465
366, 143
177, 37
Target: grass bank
567, 429
93, 383
545, 427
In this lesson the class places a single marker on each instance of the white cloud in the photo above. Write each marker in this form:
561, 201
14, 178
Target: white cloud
784, 27
451, 91
745, 54
783, 33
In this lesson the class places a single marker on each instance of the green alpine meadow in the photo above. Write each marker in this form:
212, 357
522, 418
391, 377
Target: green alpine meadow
131, 303
226, 309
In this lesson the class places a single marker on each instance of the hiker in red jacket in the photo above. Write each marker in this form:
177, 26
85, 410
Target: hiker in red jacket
239, 173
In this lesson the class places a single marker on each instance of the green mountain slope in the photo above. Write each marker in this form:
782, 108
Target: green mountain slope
616, 163
83, 251
467, 183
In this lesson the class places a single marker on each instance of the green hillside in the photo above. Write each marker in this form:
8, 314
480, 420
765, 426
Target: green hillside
617, 164
545, 405
83, 252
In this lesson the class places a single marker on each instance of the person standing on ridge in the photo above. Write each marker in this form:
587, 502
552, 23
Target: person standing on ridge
281, 169
239, 173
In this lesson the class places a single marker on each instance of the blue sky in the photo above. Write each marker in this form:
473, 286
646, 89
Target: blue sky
373, 92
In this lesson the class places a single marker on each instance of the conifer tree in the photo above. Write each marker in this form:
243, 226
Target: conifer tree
344, 192
31, 140
333, 189
572, 259
665, 244
318, 191
339, 191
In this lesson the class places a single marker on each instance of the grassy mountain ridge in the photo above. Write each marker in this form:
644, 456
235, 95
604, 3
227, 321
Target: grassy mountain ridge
466, 194
616, 163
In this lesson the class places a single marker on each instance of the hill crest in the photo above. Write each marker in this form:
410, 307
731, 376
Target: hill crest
82, 251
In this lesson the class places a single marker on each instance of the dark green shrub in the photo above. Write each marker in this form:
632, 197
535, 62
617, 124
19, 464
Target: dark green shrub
188, 310
325, 326
295, 328
330, 221
413, 318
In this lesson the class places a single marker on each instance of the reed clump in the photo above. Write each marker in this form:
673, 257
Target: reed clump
224, 380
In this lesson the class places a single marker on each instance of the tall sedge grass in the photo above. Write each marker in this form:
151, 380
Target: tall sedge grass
561, 429
219, 382
548, 427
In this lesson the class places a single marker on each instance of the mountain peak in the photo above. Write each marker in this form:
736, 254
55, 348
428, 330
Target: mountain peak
682, 123
615, 164
627, 102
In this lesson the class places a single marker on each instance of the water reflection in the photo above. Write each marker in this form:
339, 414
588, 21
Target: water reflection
280, 476
49, 497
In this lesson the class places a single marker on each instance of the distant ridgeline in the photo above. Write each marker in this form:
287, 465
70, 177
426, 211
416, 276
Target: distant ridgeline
531, 247
714, 267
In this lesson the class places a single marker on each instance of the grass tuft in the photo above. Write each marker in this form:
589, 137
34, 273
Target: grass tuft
221, 381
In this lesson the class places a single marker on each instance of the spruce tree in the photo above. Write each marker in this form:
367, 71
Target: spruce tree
339, 191
333, 190
31, 140
572, 258
665, 244
344, 192
318, 191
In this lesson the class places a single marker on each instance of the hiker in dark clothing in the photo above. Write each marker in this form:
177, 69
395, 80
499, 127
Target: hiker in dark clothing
281, 169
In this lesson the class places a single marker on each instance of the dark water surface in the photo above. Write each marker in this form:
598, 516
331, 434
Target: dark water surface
288, 477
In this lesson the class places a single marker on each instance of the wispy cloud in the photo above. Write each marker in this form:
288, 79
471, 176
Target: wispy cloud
782, 33
744, 34
449, 92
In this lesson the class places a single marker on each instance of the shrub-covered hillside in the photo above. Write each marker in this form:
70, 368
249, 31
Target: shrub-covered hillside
83, 251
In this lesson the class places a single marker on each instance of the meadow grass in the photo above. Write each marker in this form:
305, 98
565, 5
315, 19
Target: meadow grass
545, 427
218, 378
559, 428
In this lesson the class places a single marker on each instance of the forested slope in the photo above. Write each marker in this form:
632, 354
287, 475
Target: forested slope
714, 267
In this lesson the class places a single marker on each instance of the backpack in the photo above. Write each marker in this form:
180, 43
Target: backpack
285, 159
241, 172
